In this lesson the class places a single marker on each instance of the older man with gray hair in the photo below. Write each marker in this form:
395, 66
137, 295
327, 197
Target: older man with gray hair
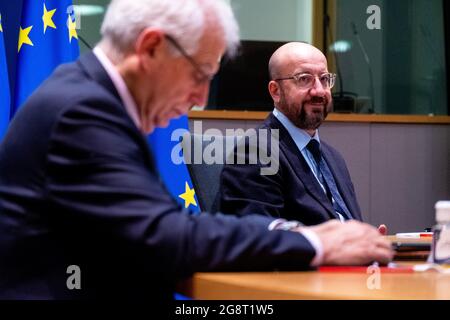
79, 192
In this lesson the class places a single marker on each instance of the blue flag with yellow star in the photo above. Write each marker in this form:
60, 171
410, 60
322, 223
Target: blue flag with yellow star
47, 38
174, 175
4, 86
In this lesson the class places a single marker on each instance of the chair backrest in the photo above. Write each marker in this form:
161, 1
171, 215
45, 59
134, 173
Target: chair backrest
205, 172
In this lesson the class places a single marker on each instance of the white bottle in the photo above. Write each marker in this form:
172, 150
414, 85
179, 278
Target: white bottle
441, 233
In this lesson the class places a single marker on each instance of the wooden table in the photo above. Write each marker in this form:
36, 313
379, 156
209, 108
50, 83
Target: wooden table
318, 285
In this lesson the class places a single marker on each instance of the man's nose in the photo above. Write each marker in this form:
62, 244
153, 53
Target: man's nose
318, 89
199, 96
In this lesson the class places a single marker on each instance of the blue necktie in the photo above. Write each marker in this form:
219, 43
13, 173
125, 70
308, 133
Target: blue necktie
329, 183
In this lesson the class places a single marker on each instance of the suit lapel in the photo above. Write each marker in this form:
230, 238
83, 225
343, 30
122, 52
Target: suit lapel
300, 166
340, 180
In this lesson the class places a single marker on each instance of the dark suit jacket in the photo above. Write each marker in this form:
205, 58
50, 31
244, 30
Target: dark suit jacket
78, 187
293, 192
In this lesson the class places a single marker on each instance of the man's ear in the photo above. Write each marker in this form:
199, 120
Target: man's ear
149, 44
274, 90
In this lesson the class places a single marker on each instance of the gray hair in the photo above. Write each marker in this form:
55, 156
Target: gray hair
184, 20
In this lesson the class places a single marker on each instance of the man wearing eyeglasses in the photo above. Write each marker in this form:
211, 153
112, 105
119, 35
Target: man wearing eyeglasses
312, 184
83, 213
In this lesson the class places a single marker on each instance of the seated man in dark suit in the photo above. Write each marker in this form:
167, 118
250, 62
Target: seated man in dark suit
79, 189
312, 183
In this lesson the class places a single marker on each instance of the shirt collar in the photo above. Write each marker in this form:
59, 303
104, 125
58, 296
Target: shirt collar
300, 136
119, 83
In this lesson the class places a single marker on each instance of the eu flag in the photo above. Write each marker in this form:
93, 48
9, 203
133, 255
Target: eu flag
174, 175
4, 86
47, 38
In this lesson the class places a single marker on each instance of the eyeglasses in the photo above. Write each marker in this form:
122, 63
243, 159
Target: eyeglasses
200, 75
307, 80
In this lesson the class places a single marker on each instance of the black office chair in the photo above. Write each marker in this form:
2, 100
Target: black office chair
206, 176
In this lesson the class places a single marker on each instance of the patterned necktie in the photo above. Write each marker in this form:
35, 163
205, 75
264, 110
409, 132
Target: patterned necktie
329, 183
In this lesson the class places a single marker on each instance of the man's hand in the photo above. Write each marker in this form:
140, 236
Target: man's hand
352, 243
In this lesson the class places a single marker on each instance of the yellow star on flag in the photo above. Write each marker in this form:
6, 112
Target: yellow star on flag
47, 18
24, 37
188, 196
71, 25
1, 28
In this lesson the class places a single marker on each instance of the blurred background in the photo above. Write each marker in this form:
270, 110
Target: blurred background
400, 68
